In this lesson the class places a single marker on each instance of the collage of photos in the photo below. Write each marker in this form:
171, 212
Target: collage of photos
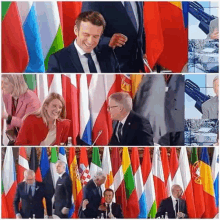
110, 109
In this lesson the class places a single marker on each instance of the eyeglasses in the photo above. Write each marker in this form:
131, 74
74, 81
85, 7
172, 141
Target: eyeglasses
110, 107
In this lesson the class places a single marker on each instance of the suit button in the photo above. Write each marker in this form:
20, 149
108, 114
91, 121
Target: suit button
175, 109
174, 99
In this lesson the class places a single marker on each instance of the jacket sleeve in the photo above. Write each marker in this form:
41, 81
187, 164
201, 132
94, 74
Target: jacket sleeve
16, 201
68, 189
161, 210
53, 65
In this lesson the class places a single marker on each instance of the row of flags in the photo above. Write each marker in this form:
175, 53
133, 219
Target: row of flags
35, 30
139, 187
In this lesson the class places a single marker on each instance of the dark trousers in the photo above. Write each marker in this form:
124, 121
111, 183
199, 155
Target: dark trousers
172, 139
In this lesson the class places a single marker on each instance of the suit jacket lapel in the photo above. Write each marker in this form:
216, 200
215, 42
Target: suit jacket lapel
20, 103
126, 128
102, 62
58, 130
75, 58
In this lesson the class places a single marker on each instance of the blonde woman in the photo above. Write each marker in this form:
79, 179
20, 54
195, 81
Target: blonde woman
47, 126
18, 100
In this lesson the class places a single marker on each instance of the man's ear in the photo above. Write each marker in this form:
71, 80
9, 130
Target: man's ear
75, 30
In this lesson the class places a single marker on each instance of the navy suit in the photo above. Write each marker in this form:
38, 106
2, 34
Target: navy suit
115, 209
117, 21
136, 131
67, 60
63, 195
91, 193
32, 205
167, 206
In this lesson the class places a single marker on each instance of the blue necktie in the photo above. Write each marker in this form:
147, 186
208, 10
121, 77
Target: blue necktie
130, 12
91, 63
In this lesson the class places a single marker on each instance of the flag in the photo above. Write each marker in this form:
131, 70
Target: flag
27, 12
96, 164
136, 167
215, 174
55, 83
119, 184
53, 160
135, 82
195, 167
14, 49
166, 170
34, 164
42, 86
62, 157
133, 209
187, 182
76, 183
4, 204
45, 172
22, 164
208, 188
148, 182
84, 166
30, 79
157, 170
9, 180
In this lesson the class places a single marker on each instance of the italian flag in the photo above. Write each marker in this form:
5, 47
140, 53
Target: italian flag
53, 160
96, 164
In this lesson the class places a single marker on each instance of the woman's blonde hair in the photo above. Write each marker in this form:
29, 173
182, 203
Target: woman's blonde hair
17, 80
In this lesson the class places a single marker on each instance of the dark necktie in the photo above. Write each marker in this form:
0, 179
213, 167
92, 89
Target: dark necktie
108, 210
120, 125
100, 191
130, 12
91, 63
30, 192
177, 206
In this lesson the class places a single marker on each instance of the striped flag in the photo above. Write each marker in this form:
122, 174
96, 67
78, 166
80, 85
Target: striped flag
53, 160
96, 164
42, 86
84, 166
4, 204
22, 164
208, 188
136, 167
55, 83
119, 184
187, 182
158, 176
135, 82
9, 180
14, 49
30, 79
62, 157
148, 181
133, 209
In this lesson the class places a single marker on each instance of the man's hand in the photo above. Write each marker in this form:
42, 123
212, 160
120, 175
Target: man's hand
117, 40
65, 210
180, 215
102, 208
110, 215
50, 216
18, 216
215, 34
85, 203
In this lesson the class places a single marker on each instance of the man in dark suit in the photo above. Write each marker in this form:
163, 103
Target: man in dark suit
110, 209
31, 194
124, 30
63, 191
84, 54
173, 206
92, 194
131, 129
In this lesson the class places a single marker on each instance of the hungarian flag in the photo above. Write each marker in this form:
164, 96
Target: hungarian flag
96, 164
195, 166
208, 188
133, 209
34, 164
14, 49
22, 164
148, 181
31, 81
4, 204
119, 183
84, 166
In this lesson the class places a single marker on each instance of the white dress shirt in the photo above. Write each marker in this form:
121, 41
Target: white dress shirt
174, 204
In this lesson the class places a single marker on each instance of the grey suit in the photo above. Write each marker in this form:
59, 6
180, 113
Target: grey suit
213, 25
210, 108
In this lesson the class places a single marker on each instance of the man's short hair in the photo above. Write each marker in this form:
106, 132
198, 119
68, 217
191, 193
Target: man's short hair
174, 186
109, 190
93, 17
62, 163
216, 78
29, 173
98, 175
122, 98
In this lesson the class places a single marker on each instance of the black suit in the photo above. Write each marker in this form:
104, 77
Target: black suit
63, 195
67, 60
117, 21
136, 131
115, 209
91, 193
167, 206
32, 205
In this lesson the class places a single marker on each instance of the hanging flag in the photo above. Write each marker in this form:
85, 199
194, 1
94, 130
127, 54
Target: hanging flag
76, 183
96, 164
45, 172
34, 164
133, 209
84, 166
14, 49
208, 188
62, 157
215, 174
157, 170
30, 27
135, 82
119, 184
148, 182
4, 204
9, 180
22, 164
166, 171
53, 160
42, 86
187, 183
136, 167
55, 83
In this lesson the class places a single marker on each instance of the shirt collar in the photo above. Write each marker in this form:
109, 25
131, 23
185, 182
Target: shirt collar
110, 204
33, 185
60, 175
173, 198
124, 119
80, 50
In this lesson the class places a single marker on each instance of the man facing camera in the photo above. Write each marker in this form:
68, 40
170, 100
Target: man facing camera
84, 55
173, 206
63, 191
31, 194
131, 129
110, 209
